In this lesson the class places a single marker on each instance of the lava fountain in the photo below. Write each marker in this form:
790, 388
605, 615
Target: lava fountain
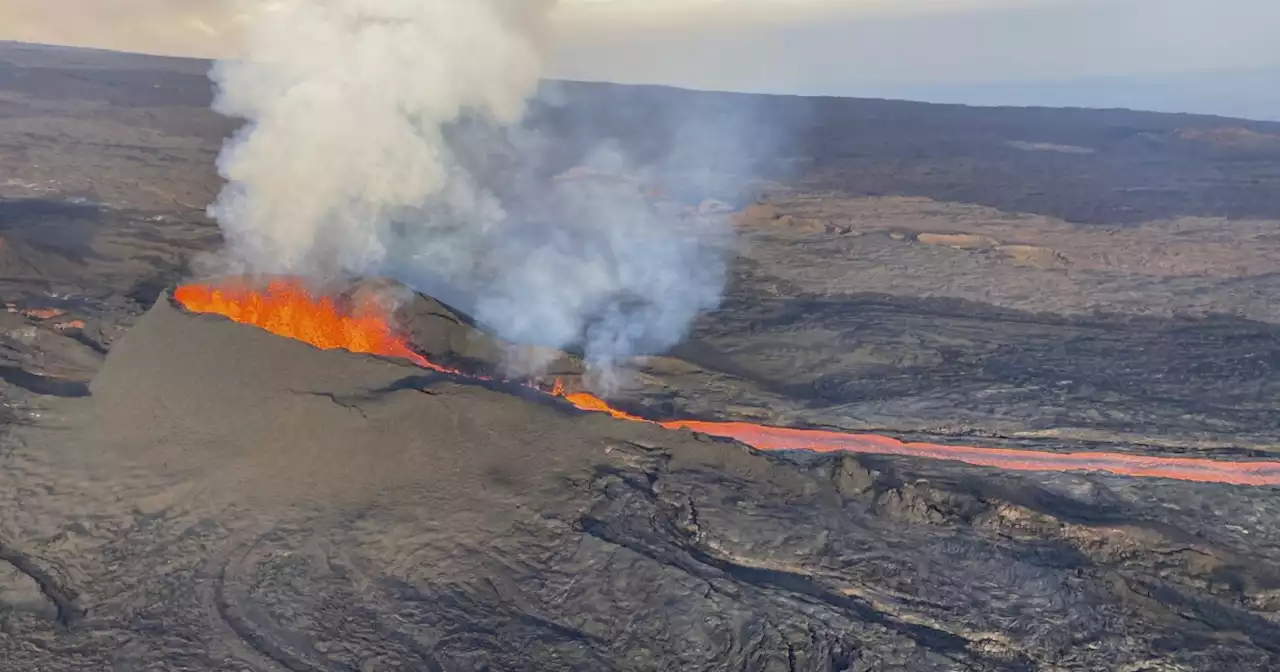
286, 308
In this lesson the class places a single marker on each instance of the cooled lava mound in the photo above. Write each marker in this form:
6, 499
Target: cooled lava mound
239, 500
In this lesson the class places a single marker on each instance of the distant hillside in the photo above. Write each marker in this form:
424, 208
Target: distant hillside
1088, 166
1250, 94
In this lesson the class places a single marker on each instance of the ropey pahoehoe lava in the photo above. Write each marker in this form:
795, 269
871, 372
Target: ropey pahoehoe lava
285, 307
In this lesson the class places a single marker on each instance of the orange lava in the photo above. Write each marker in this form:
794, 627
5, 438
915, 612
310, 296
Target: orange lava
587, 402
766, 438
286, 308
43, 313
1179, 468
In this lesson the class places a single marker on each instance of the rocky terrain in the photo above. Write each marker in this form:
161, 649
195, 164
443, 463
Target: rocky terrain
181, 492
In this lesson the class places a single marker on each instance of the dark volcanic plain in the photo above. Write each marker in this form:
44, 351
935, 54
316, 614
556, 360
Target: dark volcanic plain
181, 492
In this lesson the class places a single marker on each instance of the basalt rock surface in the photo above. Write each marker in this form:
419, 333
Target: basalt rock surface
450, 337
228, 500
181, 492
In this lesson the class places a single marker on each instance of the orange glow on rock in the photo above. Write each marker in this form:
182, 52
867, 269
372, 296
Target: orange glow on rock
285, 308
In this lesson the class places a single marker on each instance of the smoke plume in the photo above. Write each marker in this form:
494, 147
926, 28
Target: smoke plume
384, 137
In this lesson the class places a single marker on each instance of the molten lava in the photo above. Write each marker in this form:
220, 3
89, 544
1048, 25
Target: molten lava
588, 402
286, 308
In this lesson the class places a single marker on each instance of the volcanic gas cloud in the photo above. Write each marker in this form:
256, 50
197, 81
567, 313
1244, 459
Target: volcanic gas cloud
361, 115
372, 129
286, 308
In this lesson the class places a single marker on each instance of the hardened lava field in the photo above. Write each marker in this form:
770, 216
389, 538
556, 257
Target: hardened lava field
1041, 390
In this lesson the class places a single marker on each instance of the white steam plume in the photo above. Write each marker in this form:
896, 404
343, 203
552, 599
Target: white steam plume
360, 158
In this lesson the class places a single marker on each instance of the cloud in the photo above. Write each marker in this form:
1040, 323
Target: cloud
815, 46
385, 140
838, 47
210, 28
201, 28
582, 12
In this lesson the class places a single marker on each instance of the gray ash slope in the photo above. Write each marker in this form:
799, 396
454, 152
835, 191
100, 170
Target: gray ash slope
230, 500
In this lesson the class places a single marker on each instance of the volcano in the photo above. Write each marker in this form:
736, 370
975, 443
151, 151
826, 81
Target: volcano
284, 307
971, 402
304, 508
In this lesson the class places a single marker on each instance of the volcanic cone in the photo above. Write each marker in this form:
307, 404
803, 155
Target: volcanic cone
227, 494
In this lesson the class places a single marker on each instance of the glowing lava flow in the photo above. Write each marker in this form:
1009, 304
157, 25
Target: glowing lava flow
287, 309
1180, 468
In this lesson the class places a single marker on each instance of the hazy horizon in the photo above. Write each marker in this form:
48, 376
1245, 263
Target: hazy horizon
1160, 55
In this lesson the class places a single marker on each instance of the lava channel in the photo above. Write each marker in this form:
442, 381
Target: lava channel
286, 308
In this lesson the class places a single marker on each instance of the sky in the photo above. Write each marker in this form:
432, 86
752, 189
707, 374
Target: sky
1215, 56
